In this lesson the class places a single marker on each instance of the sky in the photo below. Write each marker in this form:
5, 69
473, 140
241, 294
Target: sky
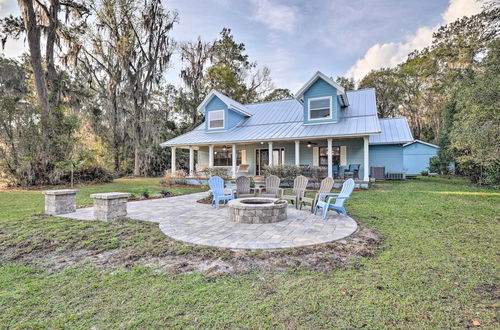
296, 38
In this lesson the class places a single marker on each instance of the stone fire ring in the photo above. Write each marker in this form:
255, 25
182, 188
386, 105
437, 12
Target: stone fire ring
257, 210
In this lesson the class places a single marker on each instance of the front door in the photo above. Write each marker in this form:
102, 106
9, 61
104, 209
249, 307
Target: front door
262, 158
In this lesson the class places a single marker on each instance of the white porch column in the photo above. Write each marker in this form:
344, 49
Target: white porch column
172, 165
330, 163
234, 161
366, 175
297, 153
211, 155
270, 154
191, 161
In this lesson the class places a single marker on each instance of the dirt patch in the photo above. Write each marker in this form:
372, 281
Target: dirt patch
321, 258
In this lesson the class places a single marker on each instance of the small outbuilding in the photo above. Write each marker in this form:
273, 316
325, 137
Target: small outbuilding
417, 155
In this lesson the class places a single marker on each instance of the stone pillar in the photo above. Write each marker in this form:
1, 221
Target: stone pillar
330, 155
191, 161
366, 173
110, 206
60, 201
211, 155
172, 166
297, 153
234, 161
270, 154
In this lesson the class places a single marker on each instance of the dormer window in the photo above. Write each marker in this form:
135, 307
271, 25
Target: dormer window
320, 108
216, 119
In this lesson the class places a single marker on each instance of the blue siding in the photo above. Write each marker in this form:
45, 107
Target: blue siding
231, 118
320, 89
390, 156
417, 156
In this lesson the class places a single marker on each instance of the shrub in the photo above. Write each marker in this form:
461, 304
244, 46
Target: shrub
424, 173
165, 193
179, 177
145, 193
223, 172
83, 174
287, 173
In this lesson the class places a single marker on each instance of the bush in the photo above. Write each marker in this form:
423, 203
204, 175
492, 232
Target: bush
287, 173
83, 174
424, 173
179, 178
223, 172
145, 193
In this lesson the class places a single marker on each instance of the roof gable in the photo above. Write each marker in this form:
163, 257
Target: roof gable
319, 75
229, 102
419, 141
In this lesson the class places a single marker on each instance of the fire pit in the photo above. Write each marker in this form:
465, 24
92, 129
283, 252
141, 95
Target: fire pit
257, 210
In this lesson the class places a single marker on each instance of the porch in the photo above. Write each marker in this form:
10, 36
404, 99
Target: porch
332, 156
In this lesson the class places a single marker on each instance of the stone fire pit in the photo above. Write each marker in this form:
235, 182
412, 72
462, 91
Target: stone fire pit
257, 210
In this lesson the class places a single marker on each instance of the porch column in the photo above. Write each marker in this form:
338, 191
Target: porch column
234, 161
297, 153
211, 155
366, 175
330, 167
191, 161
172, 165
270, 154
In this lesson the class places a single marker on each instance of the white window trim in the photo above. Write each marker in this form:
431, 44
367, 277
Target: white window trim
223, 119
309, 108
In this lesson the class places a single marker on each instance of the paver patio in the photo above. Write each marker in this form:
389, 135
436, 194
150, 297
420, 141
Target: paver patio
183, 219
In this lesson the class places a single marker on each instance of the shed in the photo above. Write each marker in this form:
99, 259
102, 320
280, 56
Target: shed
417, 155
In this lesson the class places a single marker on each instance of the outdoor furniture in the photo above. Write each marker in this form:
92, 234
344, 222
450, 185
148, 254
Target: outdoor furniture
60, 201
336, 171
352, 171
299, 189
218, 191
243, 187
339, 199
326, 187
272, 188
110, 206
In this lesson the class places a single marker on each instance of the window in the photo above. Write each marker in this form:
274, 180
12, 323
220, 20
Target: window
320, 108
224, 157
323, 156
216, 119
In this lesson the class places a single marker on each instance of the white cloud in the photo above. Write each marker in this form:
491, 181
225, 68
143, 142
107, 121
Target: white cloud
391, 54
276, 16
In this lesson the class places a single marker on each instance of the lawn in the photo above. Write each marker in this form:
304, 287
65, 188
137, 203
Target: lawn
437, 267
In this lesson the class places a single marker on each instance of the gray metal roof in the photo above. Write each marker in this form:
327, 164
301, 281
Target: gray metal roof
394, 131
283, 120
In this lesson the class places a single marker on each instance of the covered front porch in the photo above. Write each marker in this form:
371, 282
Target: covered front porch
334, 155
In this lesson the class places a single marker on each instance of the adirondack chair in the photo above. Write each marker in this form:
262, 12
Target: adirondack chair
243, 187
272, 189
352, 171
218, 191
299, 189
326, 187
339, 199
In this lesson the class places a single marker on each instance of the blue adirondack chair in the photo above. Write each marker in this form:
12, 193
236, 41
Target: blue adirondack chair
218, 191
339, 200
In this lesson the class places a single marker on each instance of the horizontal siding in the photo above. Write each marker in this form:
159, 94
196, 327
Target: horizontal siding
389, 156
321, 89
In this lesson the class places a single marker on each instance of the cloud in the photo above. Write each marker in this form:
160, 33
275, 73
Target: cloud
391, 54
276, 16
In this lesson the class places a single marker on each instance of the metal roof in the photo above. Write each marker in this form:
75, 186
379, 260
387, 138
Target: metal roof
283, 120
394, 131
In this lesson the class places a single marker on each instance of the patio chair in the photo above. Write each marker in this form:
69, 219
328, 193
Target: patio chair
272, 188
336, 171
352, 171
339, 199
243, 187
218, 191
299, 189
326, 187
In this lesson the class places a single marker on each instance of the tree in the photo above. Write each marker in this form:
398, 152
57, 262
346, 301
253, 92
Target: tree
347, 83
387, 87
233, 74
278, 94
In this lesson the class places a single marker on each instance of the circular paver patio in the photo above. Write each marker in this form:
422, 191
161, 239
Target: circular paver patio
185, 220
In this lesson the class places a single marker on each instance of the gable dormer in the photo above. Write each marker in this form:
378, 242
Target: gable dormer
221, 112
322, 99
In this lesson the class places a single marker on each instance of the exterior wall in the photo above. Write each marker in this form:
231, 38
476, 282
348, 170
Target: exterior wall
390, 156
416, 157
231, 118
319, 89
354, 152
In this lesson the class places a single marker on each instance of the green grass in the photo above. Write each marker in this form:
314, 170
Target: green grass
437, 268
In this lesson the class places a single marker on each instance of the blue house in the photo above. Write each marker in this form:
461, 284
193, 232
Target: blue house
324, 126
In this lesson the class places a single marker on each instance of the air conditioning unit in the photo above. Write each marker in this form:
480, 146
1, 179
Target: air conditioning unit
377, 172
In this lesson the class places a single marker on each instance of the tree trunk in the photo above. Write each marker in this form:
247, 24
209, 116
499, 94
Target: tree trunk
33, 36
52, 79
